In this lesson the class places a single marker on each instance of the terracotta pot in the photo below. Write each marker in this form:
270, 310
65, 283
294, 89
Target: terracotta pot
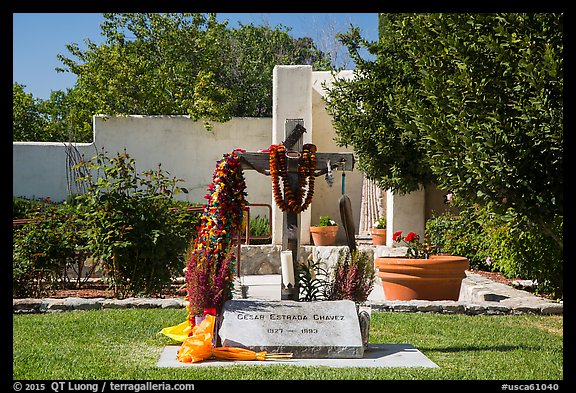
324, 236
378, 236
437, 278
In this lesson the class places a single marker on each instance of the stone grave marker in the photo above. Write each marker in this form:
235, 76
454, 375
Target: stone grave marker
326, 329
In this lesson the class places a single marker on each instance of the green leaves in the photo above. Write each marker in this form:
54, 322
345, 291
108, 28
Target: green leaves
174, 64
470, 102
134, 225
165, 64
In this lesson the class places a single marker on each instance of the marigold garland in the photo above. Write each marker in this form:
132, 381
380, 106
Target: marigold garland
287, 201
211, 260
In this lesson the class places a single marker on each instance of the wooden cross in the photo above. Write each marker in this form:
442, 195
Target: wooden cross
260, 162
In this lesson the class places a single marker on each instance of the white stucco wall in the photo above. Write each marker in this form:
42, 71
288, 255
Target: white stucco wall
298, 93
39, 169
184, 148
291, 100
323, 138
406, 213
188, 151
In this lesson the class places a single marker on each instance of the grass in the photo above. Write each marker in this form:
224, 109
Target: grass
126, 344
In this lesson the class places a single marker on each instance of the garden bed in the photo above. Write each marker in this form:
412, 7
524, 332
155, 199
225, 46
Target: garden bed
99, 289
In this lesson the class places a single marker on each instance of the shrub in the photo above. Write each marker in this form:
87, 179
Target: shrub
127, 220
353, 277
45, 249
521, 249
515, 246
458, 234
134, 226
24, 207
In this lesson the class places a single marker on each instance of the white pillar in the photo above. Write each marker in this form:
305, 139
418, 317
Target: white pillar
405, 213
291, 99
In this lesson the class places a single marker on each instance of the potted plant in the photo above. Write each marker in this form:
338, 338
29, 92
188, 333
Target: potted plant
378, 232
324, 234
419, 274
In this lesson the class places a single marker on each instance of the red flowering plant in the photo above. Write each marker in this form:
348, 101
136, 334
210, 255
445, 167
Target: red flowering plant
416, 249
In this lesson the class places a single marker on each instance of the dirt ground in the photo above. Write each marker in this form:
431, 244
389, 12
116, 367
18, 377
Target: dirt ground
100, 289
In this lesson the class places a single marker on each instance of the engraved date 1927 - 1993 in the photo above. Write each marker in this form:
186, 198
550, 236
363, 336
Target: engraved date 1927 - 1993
304, 330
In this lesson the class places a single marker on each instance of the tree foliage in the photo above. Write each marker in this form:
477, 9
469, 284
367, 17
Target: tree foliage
27, 121
174, 64
133, 224
164, 64
53, 120
471, 102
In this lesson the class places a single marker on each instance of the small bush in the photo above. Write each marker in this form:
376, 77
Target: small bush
352, 278
44, 249
458, 234
518, 248
260, 226
127, 220
508, 243
134, 226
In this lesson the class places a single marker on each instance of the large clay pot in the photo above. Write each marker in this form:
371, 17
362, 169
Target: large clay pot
437, 278
378, 236
324, 236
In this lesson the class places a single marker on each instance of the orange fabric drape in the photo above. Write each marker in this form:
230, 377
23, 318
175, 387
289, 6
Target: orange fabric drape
198, 346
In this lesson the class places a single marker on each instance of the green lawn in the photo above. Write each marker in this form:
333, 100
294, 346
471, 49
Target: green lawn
126, 344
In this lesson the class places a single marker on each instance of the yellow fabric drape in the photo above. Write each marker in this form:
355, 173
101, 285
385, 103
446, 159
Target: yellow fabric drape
179, 332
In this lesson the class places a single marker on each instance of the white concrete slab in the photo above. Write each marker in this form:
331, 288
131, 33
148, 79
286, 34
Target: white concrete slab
377, 355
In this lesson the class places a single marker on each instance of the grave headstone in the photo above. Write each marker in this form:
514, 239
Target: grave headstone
324, 329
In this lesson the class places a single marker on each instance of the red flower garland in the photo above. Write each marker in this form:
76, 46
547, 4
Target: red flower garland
279, 170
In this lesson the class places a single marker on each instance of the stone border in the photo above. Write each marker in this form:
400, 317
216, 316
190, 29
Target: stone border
459, 307
34, 306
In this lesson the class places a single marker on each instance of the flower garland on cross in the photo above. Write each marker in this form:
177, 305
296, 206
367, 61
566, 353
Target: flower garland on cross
211, 260
290, 201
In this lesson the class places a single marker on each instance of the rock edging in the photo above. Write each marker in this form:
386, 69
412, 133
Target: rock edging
459, 307
31, 306
47, 305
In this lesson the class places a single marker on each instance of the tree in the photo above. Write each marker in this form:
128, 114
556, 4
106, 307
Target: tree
166, 68
27, 122
167, 64
50, 120
252, 53
174, 64
470, 102
62, 121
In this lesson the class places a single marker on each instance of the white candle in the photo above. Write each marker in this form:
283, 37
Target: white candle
287, 268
